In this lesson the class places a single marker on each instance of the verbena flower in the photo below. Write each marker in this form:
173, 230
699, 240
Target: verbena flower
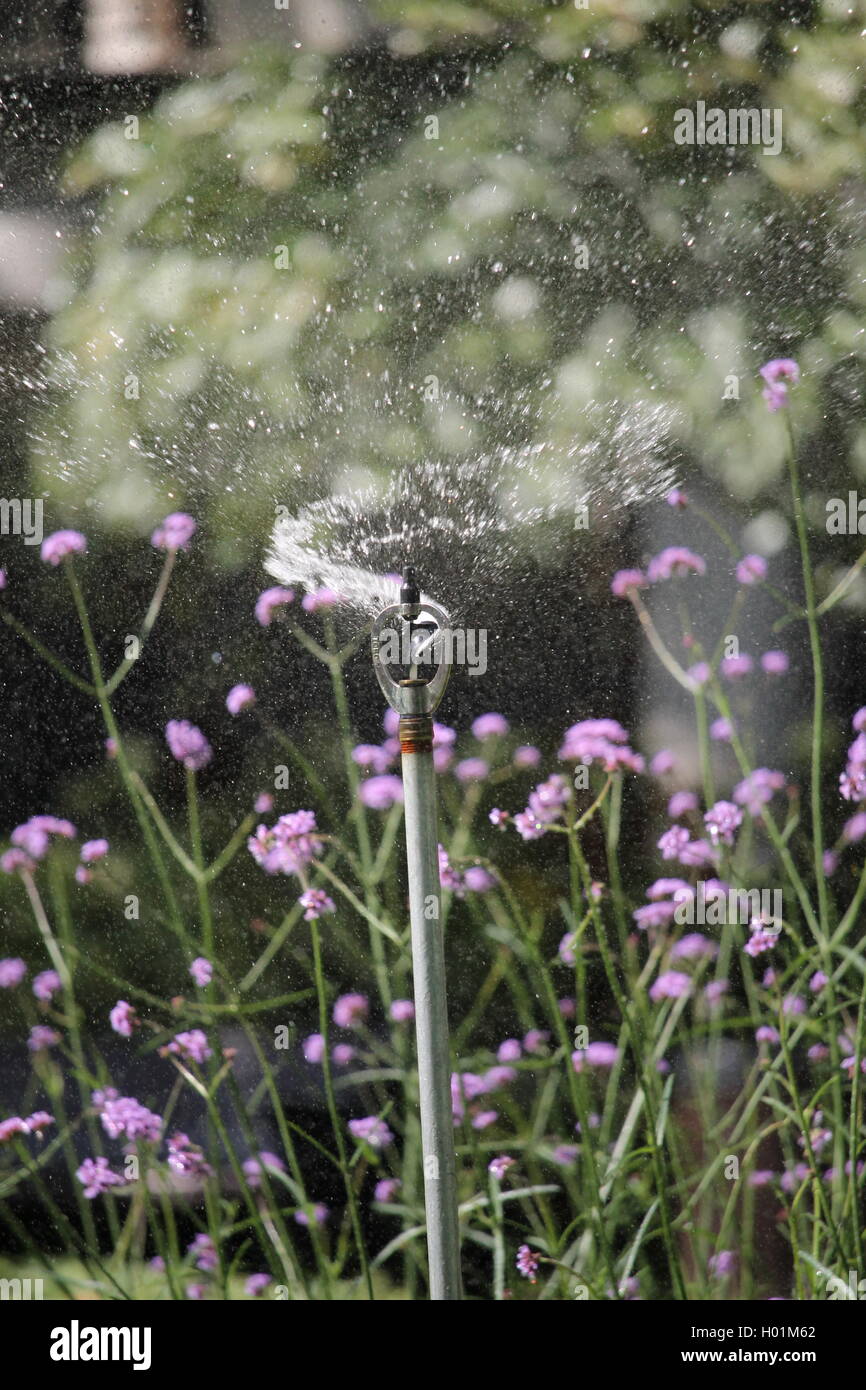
777, 373
489, 726
527, 1263
188, 744
526, 756
371, 1130
62, 544
318, 1218
12, 972
625, 582
123, 1018
287, 846
509, 1050
204, 1252
96, 1176
191, 1046
372, 756
386, 1189
775, 663
402, 1010
350, 1010
175, 532
732, 668
681, 803
313, 1048
201, 971
42, 1037
320, 598
254, 1167
342, 1054
315, 903
239, 698
694, 946
45, 984
675, 562
187, 1158
672, 984
94, 850
723, 820
269, 601
472, 770
662, 763
758, 788
752, 569
381, 793
256, 1285
124, 1115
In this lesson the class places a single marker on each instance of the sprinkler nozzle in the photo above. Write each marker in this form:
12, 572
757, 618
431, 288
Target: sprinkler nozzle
410, 593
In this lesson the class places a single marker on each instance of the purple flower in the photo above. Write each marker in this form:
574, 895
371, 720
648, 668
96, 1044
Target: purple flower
239, 698
758, 788
313, 1048
500, 1165
497, 1077
269, 601
42, 1037
192, 1046
852, 782
694, 946
854, 829
766, 1034
174, 533
45, 984
386, 1189
350, 1010
715, 990
371, 1130
12, 972
535, 1040
472, 770
721, 730
315, 903
263, 804
760, 940
762, 1177
320, 598
667, 887
484, 1119
625, 582
188, 744
733, 667
775, 663
478, 879
675, 563
722, 1264
92, 850
317, 1216
662, 763
201, 971
527, 1263
752, 569
526, 756
97, 1177
597, 1054
449, 877
381, 793
288, 846
123, 1018
342, 1054
402, 1011
681, 803
187, 1158
508, 1051
489, 726
15, 861
62, 544
123, 1115
254, 1167
670, 985
256, 1285
673, 842
654, 915
373, 756
564, 1155
818, 981
204, 1252
777, 373
723, 820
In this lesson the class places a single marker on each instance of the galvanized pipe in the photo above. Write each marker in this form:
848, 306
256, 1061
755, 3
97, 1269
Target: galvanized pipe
431, 1013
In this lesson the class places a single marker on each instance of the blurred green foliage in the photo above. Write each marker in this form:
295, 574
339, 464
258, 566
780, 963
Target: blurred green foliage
292, 250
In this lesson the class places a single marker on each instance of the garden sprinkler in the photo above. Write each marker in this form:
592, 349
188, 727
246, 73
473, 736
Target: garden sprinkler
405, 628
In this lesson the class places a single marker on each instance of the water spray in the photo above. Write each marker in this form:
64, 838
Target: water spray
422, 632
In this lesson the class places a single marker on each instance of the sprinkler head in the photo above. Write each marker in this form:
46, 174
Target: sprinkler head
398, 639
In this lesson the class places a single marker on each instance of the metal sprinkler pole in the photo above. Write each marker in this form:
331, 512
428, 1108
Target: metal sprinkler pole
415, 699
